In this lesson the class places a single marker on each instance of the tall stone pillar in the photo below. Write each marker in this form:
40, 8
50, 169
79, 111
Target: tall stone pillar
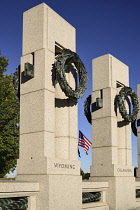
48, 120
138, 136
112, 152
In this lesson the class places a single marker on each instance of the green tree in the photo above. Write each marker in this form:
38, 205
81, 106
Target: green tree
84, 175
9, 121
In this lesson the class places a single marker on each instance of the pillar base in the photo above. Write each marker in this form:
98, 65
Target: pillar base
111, 170
59, 192
121, 194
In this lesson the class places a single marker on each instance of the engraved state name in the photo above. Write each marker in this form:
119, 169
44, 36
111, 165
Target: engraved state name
61, 165
124, 170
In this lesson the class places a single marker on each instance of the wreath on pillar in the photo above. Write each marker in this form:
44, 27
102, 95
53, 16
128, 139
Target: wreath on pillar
123, 94
64, 58
87, 111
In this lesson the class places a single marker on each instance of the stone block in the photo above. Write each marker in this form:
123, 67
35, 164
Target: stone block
43, 27
110, 171
59, 31
138, 169
47, 165
122, 156
107, 71
101, 72
97, 170
43, 71
42, 199
95, 94
73, 115
35, 115
35, 29
48, 127
36, 144
64, 192
32, 203
119, 72
49, 115
104, 156
66, 188
32, 112
104, 132
73, 148
49, 144
63, 167
128, 136
129, 157
62, 147
108, 95
18, 186
121, 136
26, 59
124, 170
62, 119
87, 186
101, 206
120, 192
125, 192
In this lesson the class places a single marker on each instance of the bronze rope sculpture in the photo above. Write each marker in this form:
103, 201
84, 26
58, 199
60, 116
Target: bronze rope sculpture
64, 58
124, 92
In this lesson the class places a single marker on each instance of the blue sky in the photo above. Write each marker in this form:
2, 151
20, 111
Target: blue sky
102, 26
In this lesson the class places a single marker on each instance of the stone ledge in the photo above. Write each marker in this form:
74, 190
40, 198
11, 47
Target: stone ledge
137, 184
18, 186
93, 205
96, 186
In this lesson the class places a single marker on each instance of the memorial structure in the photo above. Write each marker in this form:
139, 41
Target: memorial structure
48, 125
48, 170
112, 147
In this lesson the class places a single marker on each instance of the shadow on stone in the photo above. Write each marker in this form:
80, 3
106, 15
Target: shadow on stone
54, 81
122, 123
115, 105
24, 79
94, 107
65, 102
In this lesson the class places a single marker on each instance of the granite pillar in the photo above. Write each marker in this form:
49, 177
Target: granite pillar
112, 151
48, 119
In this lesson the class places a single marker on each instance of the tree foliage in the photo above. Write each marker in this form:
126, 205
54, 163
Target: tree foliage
9, 121
84, 175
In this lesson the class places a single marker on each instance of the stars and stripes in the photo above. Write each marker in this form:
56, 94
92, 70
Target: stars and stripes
84, 142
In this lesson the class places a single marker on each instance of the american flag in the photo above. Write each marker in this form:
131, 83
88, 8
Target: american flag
84, 142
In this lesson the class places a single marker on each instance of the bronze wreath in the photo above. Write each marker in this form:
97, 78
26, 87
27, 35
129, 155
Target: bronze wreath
87, 111
124, 92
64, 58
